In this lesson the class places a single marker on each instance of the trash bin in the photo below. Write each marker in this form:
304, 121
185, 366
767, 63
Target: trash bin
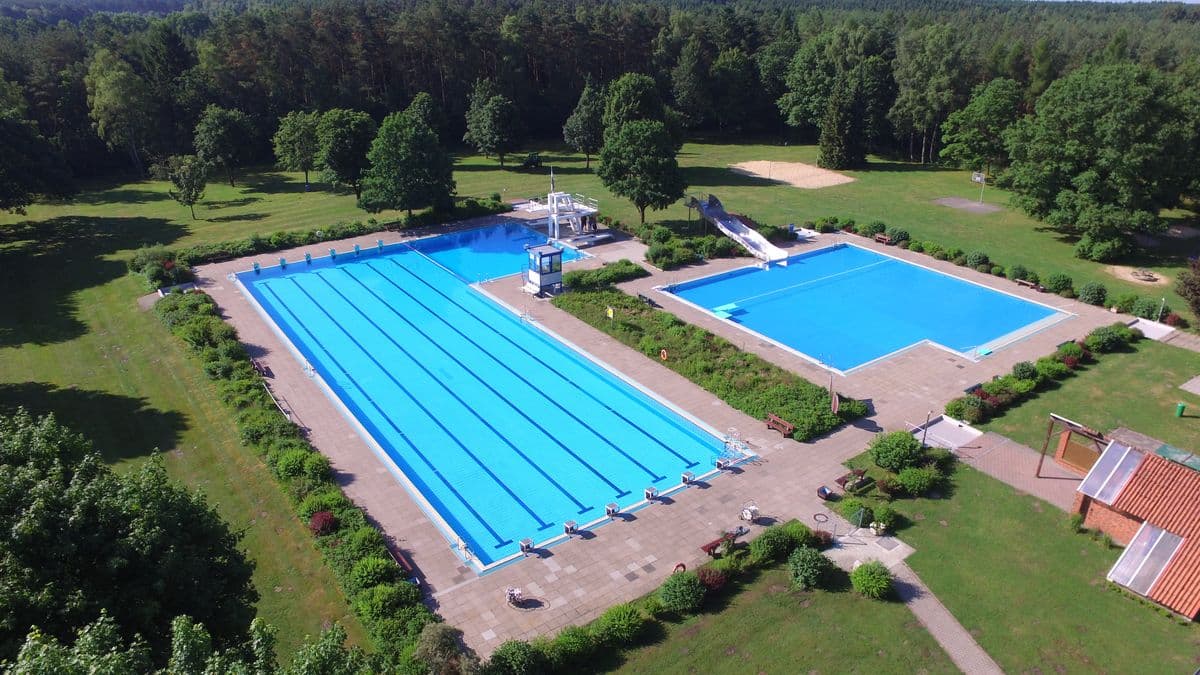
1179, 408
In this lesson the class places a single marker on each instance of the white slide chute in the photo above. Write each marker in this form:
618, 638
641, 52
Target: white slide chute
733, 227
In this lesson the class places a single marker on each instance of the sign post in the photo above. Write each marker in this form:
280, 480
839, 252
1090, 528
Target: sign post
979, 177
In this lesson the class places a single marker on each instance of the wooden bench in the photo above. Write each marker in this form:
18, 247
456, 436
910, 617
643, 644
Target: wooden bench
1029, 284
713, 546
883, 239
647, 300
402, 561
779, 424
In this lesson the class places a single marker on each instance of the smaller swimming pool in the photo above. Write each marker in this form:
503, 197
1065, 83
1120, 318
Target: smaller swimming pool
845, 307
487, 252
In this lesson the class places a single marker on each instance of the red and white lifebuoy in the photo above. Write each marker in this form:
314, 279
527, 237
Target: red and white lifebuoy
662, 354
679, 567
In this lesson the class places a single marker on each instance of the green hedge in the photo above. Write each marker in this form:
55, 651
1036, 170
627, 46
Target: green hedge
614, 273
389, 608
741, 379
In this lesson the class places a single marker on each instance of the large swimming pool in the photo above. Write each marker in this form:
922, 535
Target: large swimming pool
846, 306
500, 431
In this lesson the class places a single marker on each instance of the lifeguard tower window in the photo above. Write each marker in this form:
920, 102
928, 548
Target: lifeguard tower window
551, 263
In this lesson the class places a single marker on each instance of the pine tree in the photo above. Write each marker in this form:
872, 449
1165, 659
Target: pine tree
843, 145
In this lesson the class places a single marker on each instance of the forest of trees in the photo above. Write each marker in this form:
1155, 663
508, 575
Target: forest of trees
126, 89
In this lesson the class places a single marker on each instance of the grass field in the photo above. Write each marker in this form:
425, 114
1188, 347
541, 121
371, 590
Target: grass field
73, 342
1138, 390
896, 193
1032, 592
768, 628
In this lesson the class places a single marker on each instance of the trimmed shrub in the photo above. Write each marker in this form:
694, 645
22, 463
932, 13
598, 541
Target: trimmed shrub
933, 248
291, 463
960, 260
1024, 370
853, 508
1107, 339
682, 593
808, 568
329, 499
364, 541
998, 270
515, 657
381, 602
969, 409
1148, 308
322, 522
916, 247
872, 580
613, 273
712, 579
1093, 293
1050, 369
1057, 283
940, 255
571, 648
985, 268
1017, 272
1067, 293
623, 624
160, 266
371, 571
898, 235
918, 480
1070, 350
1124, 302
895, 450
316, 467
886, 516
977, 258
798, 533
773, 544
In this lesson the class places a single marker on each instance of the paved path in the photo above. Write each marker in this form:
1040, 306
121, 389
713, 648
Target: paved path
960, 646
1183, 340
1007, 460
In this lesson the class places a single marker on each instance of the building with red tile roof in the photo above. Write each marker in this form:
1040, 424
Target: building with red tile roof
1152, 505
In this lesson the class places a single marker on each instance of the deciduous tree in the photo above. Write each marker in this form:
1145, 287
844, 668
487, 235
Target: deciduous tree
222, 138
1108, 148
119, 104
492, 124
188, 176
295, 142
345, 137
29, 165
409, 169
81, 539
974, 135
638, 162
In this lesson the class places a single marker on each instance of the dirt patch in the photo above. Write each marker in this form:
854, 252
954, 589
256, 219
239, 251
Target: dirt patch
1130, 274
796, 174
967, 205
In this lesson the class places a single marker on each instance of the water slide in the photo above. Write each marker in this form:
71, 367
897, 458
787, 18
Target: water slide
735, 229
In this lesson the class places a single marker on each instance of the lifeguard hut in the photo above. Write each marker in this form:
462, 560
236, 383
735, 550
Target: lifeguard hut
545, 269
568, 215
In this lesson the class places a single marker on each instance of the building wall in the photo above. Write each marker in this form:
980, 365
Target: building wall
1097, 516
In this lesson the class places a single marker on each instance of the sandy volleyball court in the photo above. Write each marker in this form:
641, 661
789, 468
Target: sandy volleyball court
1131, 274
796, 174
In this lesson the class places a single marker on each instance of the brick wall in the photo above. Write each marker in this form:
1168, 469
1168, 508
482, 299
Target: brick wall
1097, 516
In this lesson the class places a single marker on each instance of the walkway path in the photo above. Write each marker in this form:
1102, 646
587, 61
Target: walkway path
960, 646
1007, 460
1183, 340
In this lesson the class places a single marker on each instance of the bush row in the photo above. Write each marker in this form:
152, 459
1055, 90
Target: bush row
389, 606
603, 277
162, 267
577, 648
1093, 293
673, 247
1028, 378
741, 379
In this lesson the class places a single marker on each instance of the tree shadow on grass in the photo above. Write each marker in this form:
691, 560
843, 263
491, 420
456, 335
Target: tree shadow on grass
227, 203
120, 427
44, 263
273, 182
721, 176
121, 196
238, 217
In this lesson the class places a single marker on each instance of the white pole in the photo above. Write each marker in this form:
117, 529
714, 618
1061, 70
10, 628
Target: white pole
982, 183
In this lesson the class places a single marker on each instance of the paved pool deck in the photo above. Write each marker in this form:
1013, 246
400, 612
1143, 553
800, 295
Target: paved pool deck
573, 582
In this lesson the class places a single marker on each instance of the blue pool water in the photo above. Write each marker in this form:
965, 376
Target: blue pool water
487, 252
846, 306
504, 431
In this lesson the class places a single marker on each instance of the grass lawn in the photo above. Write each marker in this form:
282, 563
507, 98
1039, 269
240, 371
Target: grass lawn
768, 628
896, 193
1032, 592
1138, 390
73, 342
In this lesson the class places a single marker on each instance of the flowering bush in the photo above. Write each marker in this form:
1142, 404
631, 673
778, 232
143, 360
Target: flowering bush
712, 579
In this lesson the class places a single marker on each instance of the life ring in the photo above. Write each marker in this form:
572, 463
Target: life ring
662, 354
679, 567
